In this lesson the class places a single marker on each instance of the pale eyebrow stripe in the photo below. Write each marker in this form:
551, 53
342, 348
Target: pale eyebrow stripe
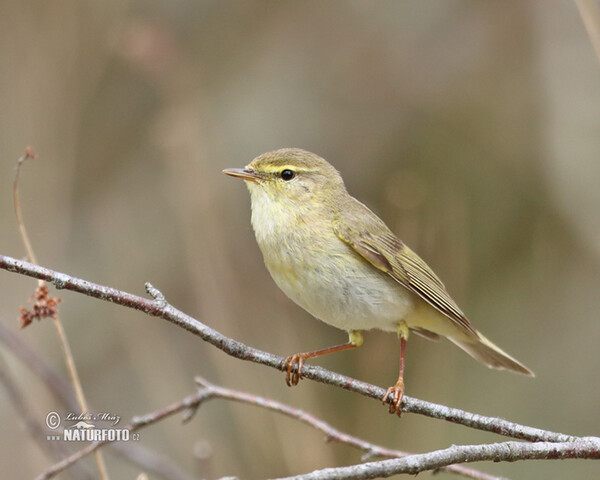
271, 169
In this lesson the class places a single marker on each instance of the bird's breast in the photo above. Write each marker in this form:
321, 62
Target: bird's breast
326, 277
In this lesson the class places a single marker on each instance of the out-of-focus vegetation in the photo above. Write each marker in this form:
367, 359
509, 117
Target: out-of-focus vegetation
470, 127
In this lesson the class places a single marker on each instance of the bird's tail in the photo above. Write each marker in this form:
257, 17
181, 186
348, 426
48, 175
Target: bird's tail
486, 352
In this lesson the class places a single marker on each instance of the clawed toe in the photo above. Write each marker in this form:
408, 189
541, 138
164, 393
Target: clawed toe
293, 377
395, 394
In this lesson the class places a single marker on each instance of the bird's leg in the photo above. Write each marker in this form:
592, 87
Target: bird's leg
292, 377
396, 392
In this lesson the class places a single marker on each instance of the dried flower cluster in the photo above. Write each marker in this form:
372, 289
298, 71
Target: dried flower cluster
44, 307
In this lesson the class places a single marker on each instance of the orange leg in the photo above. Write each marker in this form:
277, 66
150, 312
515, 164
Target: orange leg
396, 392
297, 360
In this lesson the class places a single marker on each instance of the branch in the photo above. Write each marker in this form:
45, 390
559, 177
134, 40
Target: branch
406, 463
331, 433
498, 452
160, 308
208, 391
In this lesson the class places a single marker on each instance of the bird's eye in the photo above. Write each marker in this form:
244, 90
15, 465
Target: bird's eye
287, 174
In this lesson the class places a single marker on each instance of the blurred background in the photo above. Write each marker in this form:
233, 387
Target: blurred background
470, 127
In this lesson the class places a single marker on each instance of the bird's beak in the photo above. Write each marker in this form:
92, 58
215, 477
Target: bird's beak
244, 173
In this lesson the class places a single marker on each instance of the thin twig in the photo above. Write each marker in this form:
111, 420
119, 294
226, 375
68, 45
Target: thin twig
498, 452
64, 341
588, 447
190, 404
29, 153
244, 352
331, 433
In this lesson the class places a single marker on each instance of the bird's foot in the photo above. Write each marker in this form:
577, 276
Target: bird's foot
395, 393
293, 377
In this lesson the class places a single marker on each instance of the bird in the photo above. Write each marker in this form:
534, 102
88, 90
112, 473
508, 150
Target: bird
335, 258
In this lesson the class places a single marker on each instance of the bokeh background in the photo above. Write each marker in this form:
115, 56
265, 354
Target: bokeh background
470, 127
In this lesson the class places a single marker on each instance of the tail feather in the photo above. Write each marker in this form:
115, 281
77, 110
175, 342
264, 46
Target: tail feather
489, 354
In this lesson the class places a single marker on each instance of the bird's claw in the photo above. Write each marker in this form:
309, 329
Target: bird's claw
393, 396
293, 377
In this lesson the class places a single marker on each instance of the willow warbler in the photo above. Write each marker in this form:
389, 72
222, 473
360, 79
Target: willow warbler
336, 259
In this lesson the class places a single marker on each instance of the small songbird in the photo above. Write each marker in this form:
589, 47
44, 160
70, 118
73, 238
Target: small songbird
339, 261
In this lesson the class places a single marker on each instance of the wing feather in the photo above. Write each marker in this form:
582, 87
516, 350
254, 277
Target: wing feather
374, 241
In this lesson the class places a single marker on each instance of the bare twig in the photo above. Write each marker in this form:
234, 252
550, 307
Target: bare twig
29, 153
48, 306
405, 463
497, 452
331, 433
244, 352
208, 391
